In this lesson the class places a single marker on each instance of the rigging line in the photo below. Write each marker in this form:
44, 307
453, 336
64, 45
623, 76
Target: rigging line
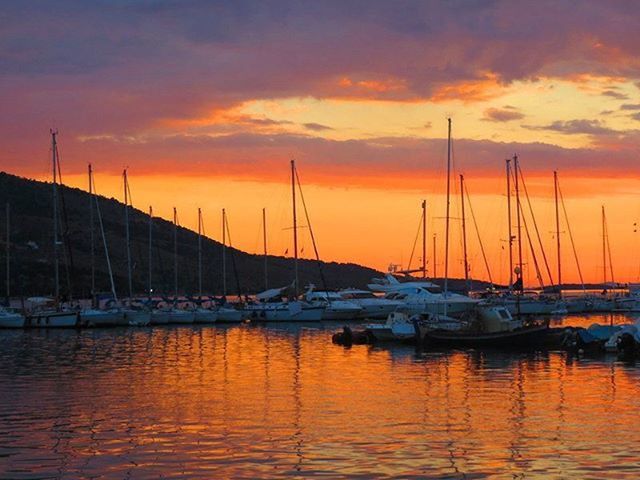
64, 221
475, 224
104, 241
533, 253
313, 238
415, 242
535, 224
573, 245
233, 257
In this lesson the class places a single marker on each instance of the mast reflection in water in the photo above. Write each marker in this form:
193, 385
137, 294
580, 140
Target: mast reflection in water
245, 401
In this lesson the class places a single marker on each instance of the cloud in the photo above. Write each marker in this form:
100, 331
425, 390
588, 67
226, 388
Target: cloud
614, 94
576, 127
316, 127
505, 114
636, 116
630, 106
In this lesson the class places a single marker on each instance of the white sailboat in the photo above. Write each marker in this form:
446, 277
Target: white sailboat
335, 307
46, 312
9, 318
201, 313
280, 305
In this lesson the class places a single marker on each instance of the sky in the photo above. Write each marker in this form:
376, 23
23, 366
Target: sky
206, 103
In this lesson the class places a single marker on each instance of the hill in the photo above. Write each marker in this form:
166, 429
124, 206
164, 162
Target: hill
32, 250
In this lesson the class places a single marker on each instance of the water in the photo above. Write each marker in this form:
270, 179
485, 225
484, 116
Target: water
273, 402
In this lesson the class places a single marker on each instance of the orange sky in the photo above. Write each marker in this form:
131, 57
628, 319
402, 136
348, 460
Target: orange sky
207, 104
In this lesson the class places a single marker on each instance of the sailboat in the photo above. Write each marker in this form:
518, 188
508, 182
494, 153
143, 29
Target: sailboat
179, 312
108, 315
282, 304
202, 314
487, 325
9, 318
47, 312
225, 312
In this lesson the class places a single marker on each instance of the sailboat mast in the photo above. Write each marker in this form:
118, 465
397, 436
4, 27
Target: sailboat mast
224, 252
604, 249
264, 241
464, 235
295, 224
56, 266
175, 252
555, 188
8, 251
126, 223
435, 265
199, 252
446, 239
510, 235
150, 289
91, 234
424, 239
518, 218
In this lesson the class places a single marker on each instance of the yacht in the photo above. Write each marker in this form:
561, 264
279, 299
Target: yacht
335, 306
373, 307
431, 299
273, 306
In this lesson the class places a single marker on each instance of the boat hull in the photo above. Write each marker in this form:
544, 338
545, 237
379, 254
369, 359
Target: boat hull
205, 316
229, 315
137, 318
12, 320
53, 320
99, 318
523, 337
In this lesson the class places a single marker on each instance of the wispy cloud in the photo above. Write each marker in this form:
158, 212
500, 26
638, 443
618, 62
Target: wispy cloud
614, 94
576, 127
505, 114
316, 127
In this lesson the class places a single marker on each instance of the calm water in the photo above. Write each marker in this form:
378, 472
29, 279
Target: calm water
273, 402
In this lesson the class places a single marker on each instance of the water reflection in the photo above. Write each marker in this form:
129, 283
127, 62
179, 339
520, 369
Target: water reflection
268, 402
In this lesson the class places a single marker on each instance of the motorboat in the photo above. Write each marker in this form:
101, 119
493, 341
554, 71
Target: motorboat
274, 305
490, 326
335, 307
431, 299
373, 307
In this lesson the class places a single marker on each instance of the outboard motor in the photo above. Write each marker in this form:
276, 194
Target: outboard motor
627, 346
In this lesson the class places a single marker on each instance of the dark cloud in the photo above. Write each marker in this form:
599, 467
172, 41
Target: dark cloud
630, 106
576, 127
636, 116
505, 114
614, 94
316, 127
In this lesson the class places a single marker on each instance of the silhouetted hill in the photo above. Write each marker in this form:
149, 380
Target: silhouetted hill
32, 250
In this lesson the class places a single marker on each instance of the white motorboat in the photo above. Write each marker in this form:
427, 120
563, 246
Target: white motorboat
431, 299
398, 327
293, 311
335, 307
373, 307
10, 319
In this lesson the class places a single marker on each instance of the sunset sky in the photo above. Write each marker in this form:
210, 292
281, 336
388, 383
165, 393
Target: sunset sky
207, 102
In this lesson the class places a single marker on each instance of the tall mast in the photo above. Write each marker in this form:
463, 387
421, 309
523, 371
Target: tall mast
150, 289
604, 249
424, 238
199, 252
264, 241
518, 226
91, 234
224, 252
555, 189
435, 265
175, 252
446, 239
56, 266
510, 236
126, 223
464, 235
8, 258
295, 224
